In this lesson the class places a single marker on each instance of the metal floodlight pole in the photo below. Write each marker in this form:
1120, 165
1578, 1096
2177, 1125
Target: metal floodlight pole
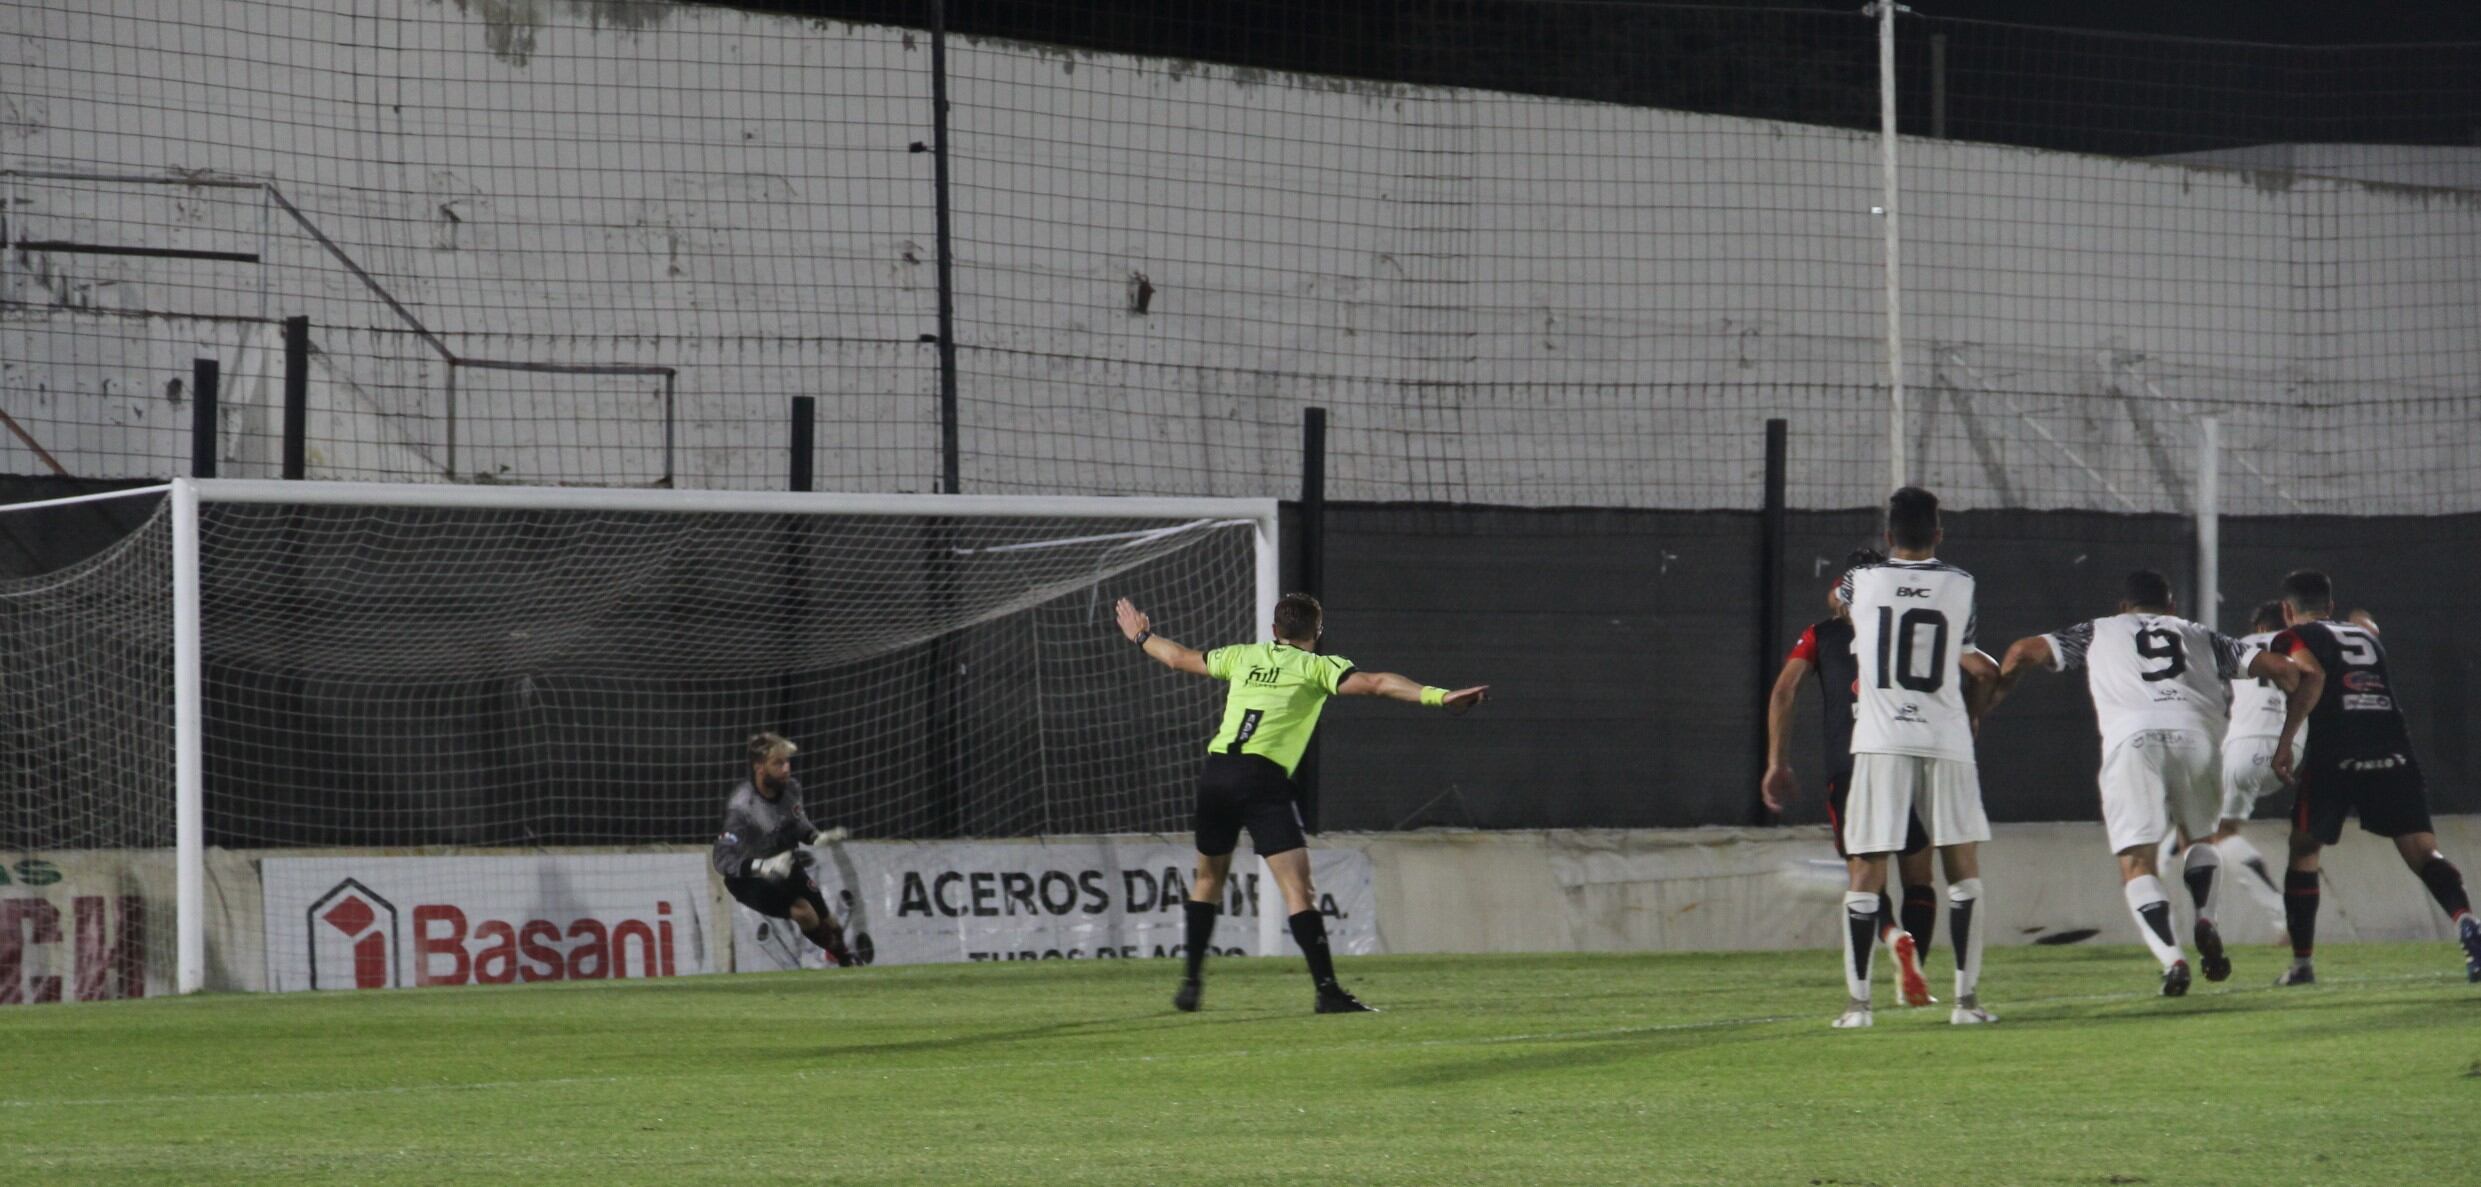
1899, 471
2208, 609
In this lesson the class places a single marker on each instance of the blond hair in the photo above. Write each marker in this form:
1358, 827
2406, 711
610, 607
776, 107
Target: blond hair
764, 746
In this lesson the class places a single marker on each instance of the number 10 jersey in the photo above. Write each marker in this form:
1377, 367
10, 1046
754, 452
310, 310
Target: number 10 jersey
1911, 621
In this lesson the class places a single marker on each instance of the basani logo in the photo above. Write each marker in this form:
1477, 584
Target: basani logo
348, 943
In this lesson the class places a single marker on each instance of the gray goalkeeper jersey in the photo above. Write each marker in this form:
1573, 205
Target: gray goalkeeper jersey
757, 828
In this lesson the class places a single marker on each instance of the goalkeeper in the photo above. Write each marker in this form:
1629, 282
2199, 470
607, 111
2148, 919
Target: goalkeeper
1277, 689
760, 852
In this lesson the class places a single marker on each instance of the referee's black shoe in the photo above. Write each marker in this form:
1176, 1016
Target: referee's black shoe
1334, 999
1185, 1001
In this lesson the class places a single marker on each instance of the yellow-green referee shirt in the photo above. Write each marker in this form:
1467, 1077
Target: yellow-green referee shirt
1277, 691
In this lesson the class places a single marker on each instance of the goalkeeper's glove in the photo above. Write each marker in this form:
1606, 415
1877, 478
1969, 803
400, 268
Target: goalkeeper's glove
774, 869
828, 836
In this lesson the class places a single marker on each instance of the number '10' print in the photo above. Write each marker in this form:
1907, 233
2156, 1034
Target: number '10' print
1899, 633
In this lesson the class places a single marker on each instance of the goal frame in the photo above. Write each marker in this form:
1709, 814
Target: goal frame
185, 495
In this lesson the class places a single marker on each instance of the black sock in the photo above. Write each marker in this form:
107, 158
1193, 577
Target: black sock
2158, 917
2446, 884
2199, 880
1309, 930
1201, 934
1921, 916
1886, 910
2300, 910
2258, 867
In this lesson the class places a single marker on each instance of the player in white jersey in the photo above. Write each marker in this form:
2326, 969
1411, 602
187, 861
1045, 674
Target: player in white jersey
2248, 759
2158, 687
1912, 742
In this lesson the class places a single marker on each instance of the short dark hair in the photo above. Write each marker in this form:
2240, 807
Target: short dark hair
1864, 556
2309, 590
2268, 617
2146, 589
1298, 616
1912, 518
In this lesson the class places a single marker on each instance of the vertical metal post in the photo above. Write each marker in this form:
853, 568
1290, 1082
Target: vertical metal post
1772, 522
451, 418
203, 417
188, 754
951, 478
1268, 579
1898, 468
1312, 551
2208, 609
1938, 85
296, 397
805, 442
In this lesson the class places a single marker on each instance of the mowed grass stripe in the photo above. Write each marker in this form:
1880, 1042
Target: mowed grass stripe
1543, 1069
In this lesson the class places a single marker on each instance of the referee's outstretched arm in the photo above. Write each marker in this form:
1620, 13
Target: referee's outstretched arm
1138, 628
1404, 688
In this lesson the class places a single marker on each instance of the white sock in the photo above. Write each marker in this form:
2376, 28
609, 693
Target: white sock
1964, 928
2152, 907
1860, 941
2202, 870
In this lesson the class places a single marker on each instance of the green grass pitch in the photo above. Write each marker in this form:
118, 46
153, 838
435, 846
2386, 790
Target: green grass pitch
1511, 1069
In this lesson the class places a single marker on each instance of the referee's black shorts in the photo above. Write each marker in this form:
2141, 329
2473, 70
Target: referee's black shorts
775, 899
1245, 790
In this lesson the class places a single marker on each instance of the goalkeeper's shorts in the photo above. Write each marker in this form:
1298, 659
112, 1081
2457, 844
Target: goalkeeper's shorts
1239, 791
775, 899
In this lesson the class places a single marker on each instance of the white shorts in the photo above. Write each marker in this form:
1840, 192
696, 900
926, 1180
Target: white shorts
1889, 789
2154, 779
2248, 772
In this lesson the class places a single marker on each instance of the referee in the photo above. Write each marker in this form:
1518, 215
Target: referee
1277, 690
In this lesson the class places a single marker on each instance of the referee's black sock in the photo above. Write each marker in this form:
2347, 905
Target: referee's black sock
1309, 930
1920, 916
1201, 934
2446, 884
2300, 911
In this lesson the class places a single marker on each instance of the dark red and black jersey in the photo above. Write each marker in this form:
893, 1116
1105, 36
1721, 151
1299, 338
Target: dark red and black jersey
2356, 716
1827, 647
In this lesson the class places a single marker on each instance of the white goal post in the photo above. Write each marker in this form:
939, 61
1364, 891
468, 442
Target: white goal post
358, 607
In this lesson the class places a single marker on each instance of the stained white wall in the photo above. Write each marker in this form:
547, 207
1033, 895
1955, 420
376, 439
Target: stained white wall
1498, 298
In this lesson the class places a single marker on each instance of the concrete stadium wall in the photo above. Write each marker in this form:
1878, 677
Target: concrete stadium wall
1501, 299
95, 926
1725, 889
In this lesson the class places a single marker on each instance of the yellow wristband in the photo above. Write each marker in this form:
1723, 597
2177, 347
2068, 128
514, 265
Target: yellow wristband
1433, 696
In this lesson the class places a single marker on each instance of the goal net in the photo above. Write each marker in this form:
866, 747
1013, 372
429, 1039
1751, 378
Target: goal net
446, 670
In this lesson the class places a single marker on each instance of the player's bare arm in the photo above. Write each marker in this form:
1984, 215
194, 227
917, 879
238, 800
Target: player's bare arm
2361, 619
2266, 665
2026, 654
2302, 698
1138, 629
1981, 683
1780, 785
1404, 688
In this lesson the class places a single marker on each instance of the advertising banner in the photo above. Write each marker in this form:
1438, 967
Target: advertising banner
383, 922
1064, 899
78, 926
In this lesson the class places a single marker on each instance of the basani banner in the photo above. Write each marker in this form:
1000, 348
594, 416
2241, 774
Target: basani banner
383, 922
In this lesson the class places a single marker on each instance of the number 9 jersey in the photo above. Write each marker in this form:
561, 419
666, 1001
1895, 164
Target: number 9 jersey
2151, 672
1911, 623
